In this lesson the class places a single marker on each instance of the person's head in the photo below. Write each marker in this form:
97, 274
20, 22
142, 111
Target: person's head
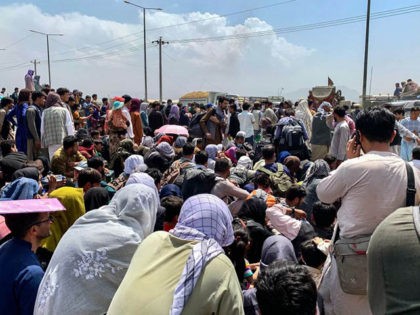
257, 106
399, 113
156, 106
240, 137
127, 100
24, 96
285, 288
201, 158
88, 178
95, 135
375, 125
38, 98
223, 102
97, 163
253, 209
289, 112
414, 113
105, 101
416, 153
311, 255
397, 84
3, 90
222, 167
332, 161
188, 150
64, 94
236, 252
98, 145
172, 205
295, 195
323, 214
269, 153
6, 103
8, 146
88, 99
209, 215
156, 174
32, 227
339, 113
232, 108
200, 143
246, 106
70, 145
94, 97
262, 180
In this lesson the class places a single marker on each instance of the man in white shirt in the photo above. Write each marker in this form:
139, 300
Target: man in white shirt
370, 187
126, 112
246, 121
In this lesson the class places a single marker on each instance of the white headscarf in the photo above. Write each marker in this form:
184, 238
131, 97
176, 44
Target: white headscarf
133, 164
94, 254
245, 161
303, 113
145, 179
207, 219
321, 109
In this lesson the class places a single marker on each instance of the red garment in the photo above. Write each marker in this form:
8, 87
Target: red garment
167, 139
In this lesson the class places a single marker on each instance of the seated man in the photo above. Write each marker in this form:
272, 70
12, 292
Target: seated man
67, 157
88, 178
12, 160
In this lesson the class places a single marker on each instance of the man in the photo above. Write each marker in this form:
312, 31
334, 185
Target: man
285, 288
341, 134
246, 121
256, 111
67, 157
88, 178
413, 124
398, 90
64, 96
201, 158
291, 134
6, 131
234, 124
21, 271
232, 195
33, 122
269, 118
321, 133
126, 113
55, 125
401, 132
370, 187
214, 121
105, 106
3, 91
86, 104
155, 117
12, 160
15, 95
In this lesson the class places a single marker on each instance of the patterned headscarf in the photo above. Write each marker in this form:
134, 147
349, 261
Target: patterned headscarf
207, 219
134, 163
319, 169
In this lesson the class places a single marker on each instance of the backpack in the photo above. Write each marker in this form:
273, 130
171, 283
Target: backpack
175, 174
281, 182
197, 181
291, 134
194, 128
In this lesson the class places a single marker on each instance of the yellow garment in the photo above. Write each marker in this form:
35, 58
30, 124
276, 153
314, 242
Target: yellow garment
149, 284
72, 200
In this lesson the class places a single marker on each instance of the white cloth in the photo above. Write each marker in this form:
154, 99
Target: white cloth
134, 163
52, 148
246, 123
303, 113
282, 222
145, 179
69, 124
207, 219
93, 256
127, 115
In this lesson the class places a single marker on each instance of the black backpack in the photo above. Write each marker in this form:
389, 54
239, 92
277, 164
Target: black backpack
292, 135
197, 181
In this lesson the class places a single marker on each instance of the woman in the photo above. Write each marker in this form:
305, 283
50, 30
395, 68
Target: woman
184, 271
173, 117
143, 113
117, 125
212, 151
136, 120
253, 214
72, 199
315, 174
95, 198
303, 113
93, 256
20, 112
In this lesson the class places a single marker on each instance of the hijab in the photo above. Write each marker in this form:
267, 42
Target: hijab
144, 106
93, 256
180, 142
72, 199
319, 169
277, 248
207, 219
95, 198
282, 156
166, 150
212, 150
253, 209
133, 164
303, 113
246, 162
53, 99
135, 105
170, 190
321, 109
148, 141
145, 179
174, 113
166, 138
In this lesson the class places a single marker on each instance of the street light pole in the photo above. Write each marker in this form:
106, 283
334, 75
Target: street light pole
160, 42
365, 65
48, 50
144, 42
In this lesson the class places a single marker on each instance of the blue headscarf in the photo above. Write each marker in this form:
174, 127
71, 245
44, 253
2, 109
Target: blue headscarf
19, 189
282, 156
170, 190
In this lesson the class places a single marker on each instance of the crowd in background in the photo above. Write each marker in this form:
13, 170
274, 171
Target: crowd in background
222, 208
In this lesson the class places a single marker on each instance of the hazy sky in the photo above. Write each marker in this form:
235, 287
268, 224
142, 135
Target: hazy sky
102, 47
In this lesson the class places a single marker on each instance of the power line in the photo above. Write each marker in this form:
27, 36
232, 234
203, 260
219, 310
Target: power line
17, 42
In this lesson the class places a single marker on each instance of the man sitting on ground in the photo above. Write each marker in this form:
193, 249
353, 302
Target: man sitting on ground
67, 157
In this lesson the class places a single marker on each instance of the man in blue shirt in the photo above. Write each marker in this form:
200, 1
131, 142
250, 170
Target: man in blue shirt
21, 273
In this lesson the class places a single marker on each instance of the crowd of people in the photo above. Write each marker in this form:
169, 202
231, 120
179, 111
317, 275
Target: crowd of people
302, 208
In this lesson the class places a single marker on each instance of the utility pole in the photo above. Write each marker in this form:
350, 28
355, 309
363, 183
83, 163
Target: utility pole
35, 63
365, 70
160, 42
